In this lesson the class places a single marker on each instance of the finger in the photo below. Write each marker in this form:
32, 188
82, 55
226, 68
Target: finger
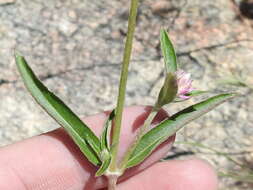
52, 161
174, 175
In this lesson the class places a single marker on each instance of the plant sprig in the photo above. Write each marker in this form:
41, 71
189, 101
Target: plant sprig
103, 151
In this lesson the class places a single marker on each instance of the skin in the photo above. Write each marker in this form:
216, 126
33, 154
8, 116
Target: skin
52, 161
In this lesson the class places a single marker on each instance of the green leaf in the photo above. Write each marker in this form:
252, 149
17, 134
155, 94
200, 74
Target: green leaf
246, 177
86, 140
235, 80
169, 90
105, 145
106, 157
106, 134
168, 51
167, 128
196, 93
193, 93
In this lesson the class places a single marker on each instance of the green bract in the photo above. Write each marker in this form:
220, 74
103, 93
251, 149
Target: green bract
105, 144
169, 90
168, 51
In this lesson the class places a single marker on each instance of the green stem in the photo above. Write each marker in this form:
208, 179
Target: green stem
145, 127
123, 81
112, 182
149, 120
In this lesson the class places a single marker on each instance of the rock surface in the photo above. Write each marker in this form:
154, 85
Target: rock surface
76, 49
6, 2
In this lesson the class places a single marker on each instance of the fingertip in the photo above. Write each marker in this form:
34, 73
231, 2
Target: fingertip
194, 173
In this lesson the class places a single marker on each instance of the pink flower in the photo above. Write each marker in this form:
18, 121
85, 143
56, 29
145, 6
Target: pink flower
184, 83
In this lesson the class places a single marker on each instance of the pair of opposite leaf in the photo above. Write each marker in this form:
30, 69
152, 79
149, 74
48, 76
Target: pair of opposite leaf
97, 150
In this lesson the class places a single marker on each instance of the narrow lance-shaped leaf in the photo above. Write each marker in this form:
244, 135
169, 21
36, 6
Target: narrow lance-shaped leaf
82, 135
106, 134
196, 93
167, 128
193, 93
168, 51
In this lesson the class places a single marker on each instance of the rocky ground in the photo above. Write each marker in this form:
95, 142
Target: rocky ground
76, 49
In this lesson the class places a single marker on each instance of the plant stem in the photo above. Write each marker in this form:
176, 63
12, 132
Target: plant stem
149, 119
112, 182
123, 81
142, 131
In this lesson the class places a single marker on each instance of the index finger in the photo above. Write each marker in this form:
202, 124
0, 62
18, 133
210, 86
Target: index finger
53, 161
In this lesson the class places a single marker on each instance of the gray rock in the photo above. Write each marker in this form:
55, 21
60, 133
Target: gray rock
6, 2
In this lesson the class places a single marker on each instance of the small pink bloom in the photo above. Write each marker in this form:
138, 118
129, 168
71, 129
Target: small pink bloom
184, 83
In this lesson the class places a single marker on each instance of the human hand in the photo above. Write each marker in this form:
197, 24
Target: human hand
53, 162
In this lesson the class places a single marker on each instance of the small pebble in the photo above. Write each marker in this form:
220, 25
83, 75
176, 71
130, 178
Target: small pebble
72, 15
160, 7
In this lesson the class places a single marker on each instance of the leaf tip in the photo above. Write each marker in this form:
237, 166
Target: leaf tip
233, 94
20, 60
17, 54
168, 51
162, 31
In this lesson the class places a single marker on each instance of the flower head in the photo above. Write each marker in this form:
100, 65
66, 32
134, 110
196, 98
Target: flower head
184, 83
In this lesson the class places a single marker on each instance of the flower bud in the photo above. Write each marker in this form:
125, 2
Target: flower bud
184, 84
